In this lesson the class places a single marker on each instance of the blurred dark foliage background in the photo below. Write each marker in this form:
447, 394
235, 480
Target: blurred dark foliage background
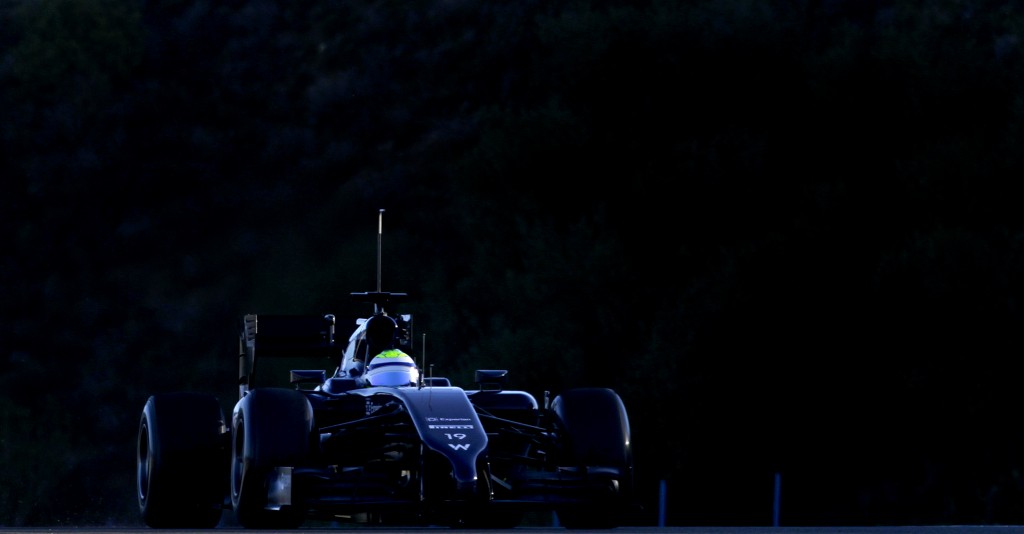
788, 233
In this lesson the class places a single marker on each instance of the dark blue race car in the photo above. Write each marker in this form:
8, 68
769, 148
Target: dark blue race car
376, 441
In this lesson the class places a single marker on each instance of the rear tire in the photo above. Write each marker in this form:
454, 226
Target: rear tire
596, 437
181, 462
271, 427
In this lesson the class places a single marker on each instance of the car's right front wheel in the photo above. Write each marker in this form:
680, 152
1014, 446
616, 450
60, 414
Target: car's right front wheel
271, 428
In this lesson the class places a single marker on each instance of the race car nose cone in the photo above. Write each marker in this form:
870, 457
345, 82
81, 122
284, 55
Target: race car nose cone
465, 488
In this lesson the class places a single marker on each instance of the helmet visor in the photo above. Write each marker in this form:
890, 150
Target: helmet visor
392, 377
392, 372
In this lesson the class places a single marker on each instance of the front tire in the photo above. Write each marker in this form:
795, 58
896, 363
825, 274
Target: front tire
181, 461
271, 427
596, 439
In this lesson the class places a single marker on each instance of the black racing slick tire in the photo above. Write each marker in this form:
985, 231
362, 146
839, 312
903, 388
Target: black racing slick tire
596, 440
182, 461
270, 428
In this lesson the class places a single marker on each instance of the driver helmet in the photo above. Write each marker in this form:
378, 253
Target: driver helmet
392, 368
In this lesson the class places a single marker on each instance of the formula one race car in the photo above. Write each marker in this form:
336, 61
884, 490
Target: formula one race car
376, 441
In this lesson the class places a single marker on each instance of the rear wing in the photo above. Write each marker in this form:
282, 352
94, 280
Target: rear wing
309, 337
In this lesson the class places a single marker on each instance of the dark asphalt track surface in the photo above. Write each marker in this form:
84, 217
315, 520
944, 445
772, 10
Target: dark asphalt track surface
943, 529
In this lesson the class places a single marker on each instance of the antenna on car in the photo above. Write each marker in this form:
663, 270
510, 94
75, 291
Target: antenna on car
379, 298
423, 358
380, 232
